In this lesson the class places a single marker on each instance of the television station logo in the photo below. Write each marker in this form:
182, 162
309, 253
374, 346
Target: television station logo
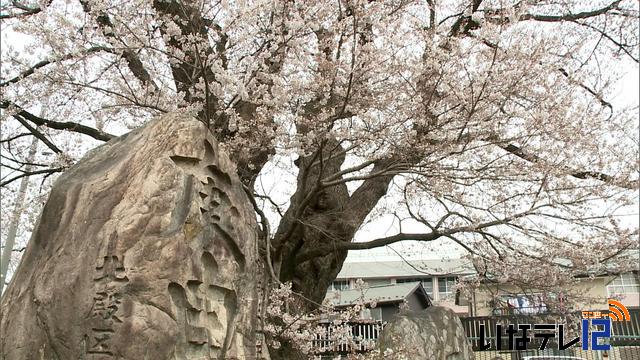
590, 319
595, 326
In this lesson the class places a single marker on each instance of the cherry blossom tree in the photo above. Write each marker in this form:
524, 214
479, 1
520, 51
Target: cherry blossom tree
489, 123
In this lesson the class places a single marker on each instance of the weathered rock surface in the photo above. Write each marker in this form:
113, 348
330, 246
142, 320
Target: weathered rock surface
432, 334
146, 249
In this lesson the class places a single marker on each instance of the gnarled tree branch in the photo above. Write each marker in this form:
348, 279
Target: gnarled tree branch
58, 125
43, 63
578, 174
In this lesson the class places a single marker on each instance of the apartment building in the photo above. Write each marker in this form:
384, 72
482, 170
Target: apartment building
437, 277
498, 299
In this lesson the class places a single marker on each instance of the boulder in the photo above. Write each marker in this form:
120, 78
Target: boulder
146, 249
435, 333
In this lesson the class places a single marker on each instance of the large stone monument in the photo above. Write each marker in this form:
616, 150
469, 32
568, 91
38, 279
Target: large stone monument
146, 249
432, 334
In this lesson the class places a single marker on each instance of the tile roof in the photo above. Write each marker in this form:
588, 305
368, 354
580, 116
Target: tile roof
414, 268
379, 294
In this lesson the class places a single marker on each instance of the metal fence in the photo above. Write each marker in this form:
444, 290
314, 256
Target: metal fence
625, 339
627, 332
362, 338
623, 333
616, 353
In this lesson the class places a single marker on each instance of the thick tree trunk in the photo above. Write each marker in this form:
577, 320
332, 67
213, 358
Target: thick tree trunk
318, 218
315, 218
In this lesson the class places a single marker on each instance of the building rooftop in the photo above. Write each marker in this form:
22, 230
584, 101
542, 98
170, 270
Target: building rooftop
399, 269
379, 294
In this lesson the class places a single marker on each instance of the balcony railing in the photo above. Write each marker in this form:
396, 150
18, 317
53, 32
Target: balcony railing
362, 337
529, 310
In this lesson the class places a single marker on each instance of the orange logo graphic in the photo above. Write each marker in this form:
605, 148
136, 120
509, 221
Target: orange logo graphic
618, 312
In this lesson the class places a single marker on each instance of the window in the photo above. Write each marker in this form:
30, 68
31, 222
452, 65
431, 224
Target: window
378, 282
624, 284
428, 286
529, 304
376, 313
339, 285
521, 304
445, 286
427, 283
365, 314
